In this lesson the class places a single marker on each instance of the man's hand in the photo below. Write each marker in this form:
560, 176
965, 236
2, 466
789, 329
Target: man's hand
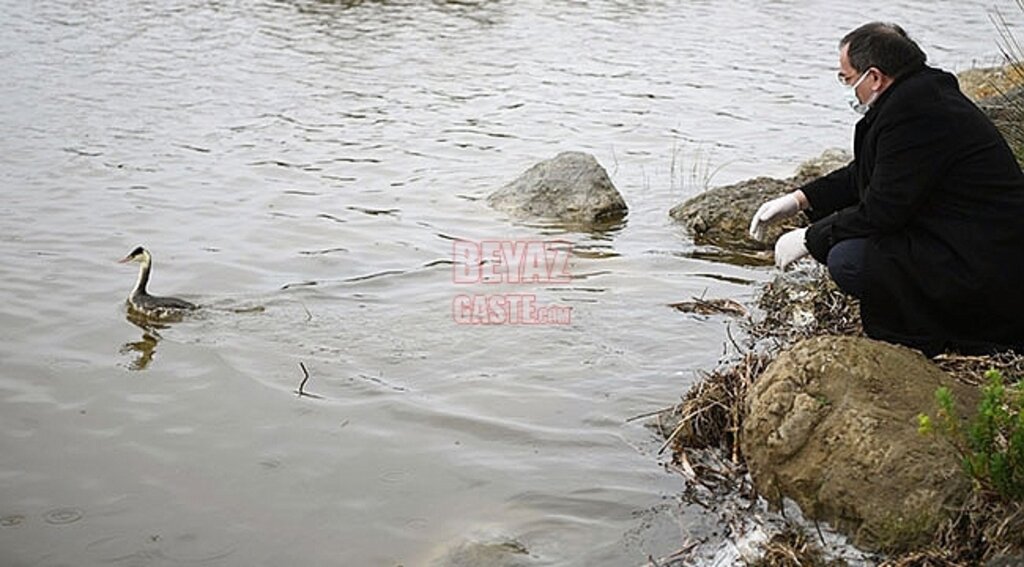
790, 247
775, 210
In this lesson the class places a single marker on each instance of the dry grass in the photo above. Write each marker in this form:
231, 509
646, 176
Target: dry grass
802, 305
702, 306
713, 410
792, 547
983, 528
971, 369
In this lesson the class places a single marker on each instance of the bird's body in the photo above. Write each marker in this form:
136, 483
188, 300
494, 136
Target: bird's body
140, 299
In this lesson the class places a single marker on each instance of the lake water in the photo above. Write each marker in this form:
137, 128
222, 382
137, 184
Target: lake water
302, 169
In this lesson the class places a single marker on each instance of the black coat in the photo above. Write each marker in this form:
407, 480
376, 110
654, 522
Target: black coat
940, 198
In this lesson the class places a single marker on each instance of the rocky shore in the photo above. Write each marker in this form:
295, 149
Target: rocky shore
810, 414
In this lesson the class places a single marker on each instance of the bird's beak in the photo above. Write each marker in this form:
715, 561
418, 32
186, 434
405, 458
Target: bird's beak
125, 260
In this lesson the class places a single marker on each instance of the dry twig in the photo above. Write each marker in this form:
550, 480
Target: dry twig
302, 385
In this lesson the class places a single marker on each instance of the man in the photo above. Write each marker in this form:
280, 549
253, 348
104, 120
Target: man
926, 225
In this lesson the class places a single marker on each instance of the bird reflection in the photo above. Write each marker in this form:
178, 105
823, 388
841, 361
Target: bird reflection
144, 349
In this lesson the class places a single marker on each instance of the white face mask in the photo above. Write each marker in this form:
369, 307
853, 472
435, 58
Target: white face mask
855, 103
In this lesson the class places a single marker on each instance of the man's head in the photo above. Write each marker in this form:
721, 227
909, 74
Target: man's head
883, 46
873, 56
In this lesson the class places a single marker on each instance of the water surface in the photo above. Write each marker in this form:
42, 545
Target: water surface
301, 169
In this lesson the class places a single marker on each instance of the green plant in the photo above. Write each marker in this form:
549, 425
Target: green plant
991, 444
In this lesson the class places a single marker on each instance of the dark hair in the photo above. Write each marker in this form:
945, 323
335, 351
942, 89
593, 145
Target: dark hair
885, 47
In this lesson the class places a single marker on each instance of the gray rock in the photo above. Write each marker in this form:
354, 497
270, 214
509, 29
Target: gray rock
831, 424
829, 161
721, 216
572, 187
500, 552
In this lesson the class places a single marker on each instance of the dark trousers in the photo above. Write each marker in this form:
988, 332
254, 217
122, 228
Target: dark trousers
846, 265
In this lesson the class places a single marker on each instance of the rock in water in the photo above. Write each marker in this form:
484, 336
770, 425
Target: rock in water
572, 187
721, 216
492, 552
832, 425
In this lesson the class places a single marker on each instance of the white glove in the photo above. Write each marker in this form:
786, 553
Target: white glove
772, 211
790, 247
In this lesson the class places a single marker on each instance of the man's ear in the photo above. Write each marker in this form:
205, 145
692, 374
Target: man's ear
883, 80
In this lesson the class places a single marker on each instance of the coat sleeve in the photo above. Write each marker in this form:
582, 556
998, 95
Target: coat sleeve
832, 192
912, 152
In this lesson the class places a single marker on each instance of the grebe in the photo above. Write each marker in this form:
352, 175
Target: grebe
141, 300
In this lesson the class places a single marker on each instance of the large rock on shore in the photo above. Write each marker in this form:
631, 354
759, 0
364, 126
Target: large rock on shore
999, 93
572, 187
831, 424
982, 83
721, 216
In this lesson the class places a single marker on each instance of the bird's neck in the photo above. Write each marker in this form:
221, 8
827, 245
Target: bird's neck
140, 284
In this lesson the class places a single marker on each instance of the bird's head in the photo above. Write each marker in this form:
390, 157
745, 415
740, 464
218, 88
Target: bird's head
140, 256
